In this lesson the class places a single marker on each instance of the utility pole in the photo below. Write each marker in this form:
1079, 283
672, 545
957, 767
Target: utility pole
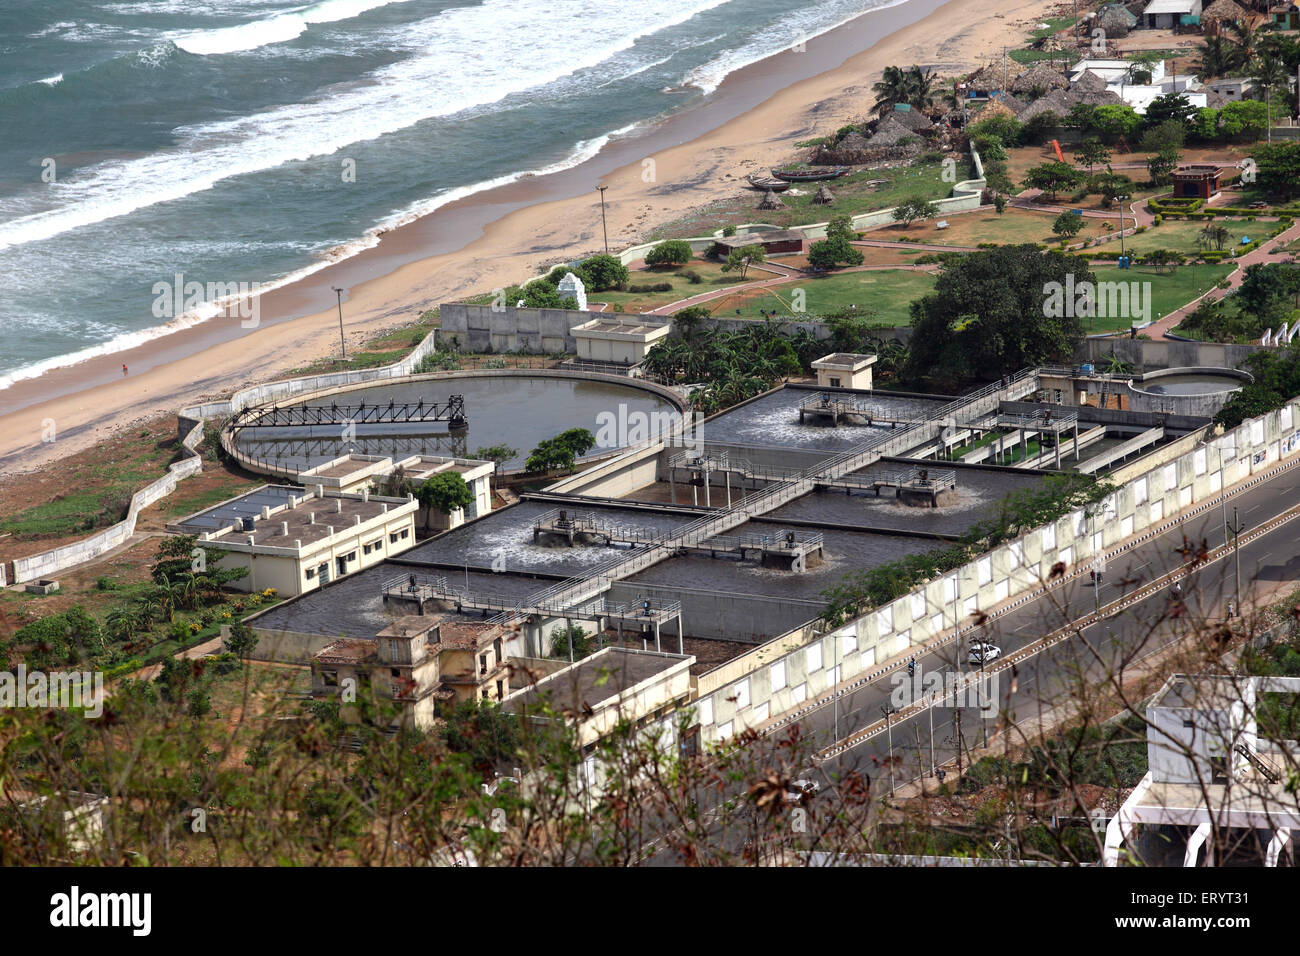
1235, 529
889, 731
603, 228
338, 294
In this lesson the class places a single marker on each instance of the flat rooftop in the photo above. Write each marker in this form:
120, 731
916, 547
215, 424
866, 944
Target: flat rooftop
626, 328
594, 679
849, 360
247, 505
310, 522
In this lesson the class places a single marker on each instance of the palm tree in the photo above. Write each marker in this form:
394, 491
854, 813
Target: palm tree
1270, 73
1217, 57
891, 89
1247, 38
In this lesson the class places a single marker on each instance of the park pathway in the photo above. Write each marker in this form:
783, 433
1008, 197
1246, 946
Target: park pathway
1264, 253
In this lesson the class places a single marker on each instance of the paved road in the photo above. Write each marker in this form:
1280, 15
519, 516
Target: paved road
1118, 641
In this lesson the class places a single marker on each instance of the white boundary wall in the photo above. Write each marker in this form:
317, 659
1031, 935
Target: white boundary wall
799, 667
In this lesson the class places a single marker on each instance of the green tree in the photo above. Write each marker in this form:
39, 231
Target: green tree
572, 636
1053, 177
500, 454
446, 491
603, 272
1171, 134
1112, 187
1161, 166
1116, 121
485, 733
241, 641
670, 252
1067, 225
836, 248
912, 209
990, 315
1278, 165
744, 257
1213, 235
1243, 120
1092, 152
1169, 107
561, 451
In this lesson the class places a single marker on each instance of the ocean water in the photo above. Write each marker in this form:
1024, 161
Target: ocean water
245, 143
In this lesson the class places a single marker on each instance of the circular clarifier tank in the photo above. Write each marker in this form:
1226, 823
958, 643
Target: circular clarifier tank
1186, 391
517, 409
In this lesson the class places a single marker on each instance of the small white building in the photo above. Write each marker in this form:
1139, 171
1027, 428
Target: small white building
1209, 772
80, 816
301, 539
1168, 14
1231, 88
845, 370
1114, 72
618, 340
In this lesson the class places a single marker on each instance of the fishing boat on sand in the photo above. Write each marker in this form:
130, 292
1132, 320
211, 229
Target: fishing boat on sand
810, 175
764, 183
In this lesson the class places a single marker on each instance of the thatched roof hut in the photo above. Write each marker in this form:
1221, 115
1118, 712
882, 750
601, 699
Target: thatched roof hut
913, 119
824, 195
997, 74
1039, 80
771, 201
993, 109
1097, 97
890, 132
1057, 101
1116, 19
1089, 82
1224, 11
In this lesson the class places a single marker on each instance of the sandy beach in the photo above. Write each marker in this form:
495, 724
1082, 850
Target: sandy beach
505, 235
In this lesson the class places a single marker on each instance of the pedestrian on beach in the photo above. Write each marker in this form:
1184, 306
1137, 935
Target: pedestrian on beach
123, 368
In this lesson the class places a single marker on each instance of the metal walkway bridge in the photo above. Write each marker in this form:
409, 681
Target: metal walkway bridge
289, 416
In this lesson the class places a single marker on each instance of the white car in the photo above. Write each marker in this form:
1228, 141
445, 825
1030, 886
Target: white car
802, 789
984, 654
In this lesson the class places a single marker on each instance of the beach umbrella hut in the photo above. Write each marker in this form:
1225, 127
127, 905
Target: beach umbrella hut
824, 196
771, 201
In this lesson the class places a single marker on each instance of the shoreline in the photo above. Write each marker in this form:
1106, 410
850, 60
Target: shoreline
509, 233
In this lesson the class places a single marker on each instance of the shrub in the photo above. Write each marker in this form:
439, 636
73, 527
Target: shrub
672, 252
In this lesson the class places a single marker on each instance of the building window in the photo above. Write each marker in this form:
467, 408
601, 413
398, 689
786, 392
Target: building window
395, 671
366, 549
377, 544
351, 557
331, 678
501, 689
835, 381
311, 573
392, 537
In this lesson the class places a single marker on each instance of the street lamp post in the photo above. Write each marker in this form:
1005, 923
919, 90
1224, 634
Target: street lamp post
603, 227
889, 732
1235, 529
338, 293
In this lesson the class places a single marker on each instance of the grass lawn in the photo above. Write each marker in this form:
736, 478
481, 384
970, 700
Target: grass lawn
885, 296
710, 273
853, 195
1180, 236
93, 489
1168, 291
971, 228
